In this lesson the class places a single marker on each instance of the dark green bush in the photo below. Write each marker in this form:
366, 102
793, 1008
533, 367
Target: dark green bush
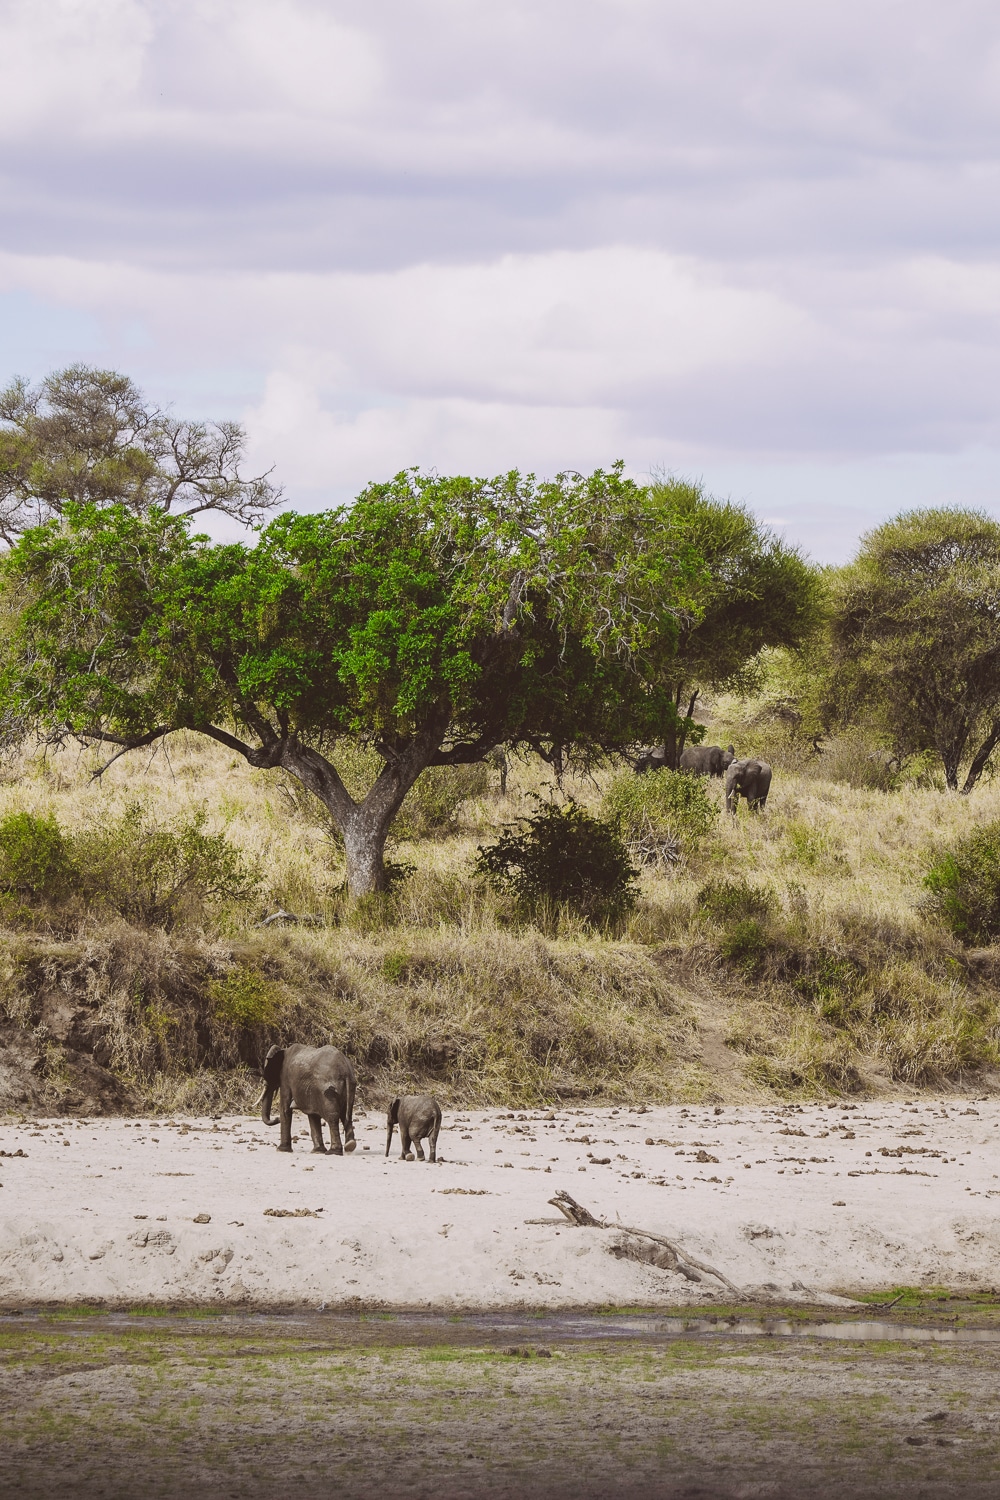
562, 857
36, 861
965, 886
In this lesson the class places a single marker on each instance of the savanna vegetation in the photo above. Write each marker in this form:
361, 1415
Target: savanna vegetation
370, 779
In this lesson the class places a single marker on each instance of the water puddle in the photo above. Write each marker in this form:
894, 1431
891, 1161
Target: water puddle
655, 1328
548, 1328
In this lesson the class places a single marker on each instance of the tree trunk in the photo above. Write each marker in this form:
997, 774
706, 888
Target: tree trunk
980, 758
364, 844
675, 737
364, 825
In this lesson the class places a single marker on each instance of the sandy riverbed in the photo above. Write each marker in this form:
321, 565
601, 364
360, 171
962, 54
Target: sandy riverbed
790, 1204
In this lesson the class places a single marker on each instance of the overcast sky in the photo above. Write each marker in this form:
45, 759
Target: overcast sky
756, 244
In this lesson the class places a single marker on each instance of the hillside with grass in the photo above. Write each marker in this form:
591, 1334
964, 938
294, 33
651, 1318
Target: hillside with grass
799, 953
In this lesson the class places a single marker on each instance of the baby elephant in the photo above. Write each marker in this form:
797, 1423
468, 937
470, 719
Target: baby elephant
419, 1118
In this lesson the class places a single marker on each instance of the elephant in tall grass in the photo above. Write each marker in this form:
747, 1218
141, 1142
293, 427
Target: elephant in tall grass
419, 1119
750, 779
707, 760
320, 1082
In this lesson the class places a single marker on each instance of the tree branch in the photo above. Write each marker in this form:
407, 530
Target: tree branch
138, 743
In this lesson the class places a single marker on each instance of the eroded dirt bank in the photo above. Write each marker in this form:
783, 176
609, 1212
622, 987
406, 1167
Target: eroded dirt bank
789, 1204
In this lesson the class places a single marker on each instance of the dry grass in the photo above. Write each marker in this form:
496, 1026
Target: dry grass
847, 985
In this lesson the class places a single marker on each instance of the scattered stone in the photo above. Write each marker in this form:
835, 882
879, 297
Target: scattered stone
202, 1219
292, 1213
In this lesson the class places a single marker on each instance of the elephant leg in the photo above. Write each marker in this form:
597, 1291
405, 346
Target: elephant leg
316, 1131
418, 1147
285, 1117
340, 1102
336, 1149
432, 1142
404, 1141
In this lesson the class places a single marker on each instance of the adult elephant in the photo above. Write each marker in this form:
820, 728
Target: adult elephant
707, 760
320, 1082
750, 779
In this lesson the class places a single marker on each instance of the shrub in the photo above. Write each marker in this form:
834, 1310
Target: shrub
745, 944
733, 901
661, 813
564, 857
35, 857
155, 873
965, 886
245, 998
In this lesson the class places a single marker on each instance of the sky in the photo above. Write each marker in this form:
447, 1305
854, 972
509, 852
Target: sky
756, 245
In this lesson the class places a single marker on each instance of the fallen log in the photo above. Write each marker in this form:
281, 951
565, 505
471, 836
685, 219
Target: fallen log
678, 1259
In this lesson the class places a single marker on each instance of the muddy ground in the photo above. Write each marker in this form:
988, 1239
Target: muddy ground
331, 1405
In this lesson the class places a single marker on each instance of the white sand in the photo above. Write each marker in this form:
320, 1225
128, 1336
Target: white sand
103, 1211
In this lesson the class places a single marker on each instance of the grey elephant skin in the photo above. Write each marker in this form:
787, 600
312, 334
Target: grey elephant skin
419, 1119
653, 759
320, 1082
700, 760
750, 779
707, 760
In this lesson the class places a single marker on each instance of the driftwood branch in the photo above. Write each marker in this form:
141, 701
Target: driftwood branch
575, 1212
676, 1258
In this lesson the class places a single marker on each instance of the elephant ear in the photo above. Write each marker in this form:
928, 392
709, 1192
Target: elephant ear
394, 1112
272, 1066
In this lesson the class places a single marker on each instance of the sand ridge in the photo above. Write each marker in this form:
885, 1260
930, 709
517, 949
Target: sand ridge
788, 1202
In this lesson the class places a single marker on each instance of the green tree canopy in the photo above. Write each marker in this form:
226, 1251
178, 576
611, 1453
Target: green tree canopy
89, 436
916, 637
432, 620
753, 592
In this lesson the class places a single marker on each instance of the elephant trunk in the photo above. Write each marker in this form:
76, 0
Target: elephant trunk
388, 1134
267, 1094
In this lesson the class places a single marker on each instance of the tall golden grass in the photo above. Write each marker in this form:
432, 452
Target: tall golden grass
847, 985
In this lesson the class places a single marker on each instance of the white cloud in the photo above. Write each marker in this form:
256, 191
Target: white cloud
467, 236
68, 63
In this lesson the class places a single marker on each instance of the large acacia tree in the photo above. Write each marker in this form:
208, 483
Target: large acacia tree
916, 638
432, 620
89, 436
752, 592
